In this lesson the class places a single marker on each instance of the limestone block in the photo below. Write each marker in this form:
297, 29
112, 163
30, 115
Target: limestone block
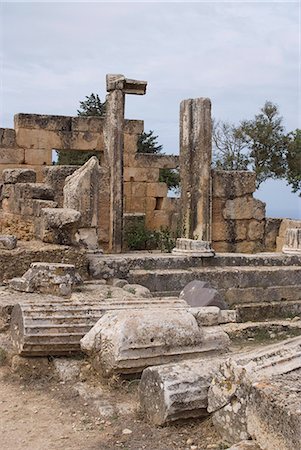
223, 247
232, 184
127, 189
12, 176
136, 204
150, 204
55, 177
92, 124
138, 290
199, 293
221, 230
292, 241
271, 232
7, 138
206, 315
193, 247
127, 342
41, 157
229, 393
37, 169
141, 174
249, 247
177, 391
156, 189
160, 219
133, 126
8, 242
130, 145
81, 192
87, 238
157, 161
42, 122
256, 230
33, 190
274, 414
38, 205
138, 189
59, 225
244, 208
38, 139
84, 140
12, 155
48, 278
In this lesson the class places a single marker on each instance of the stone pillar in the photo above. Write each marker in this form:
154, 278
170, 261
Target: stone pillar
114, 145
195, 170
117, 86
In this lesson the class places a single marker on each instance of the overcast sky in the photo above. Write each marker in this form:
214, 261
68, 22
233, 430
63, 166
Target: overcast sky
239, 54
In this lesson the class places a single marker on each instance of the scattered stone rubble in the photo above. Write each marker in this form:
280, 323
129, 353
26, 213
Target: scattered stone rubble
8, 242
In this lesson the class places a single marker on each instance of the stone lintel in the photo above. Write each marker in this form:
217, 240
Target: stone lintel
127, 85
192, 247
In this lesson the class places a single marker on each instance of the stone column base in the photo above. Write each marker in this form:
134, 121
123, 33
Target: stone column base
292, 243
191, 247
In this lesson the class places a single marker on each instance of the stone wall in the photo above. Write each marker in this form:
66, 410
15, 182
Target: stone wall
238, 220
30, 144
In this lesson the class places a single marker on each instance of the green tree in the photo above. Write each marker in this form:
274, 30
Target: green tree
229, 147
147, 143
92, 106
293, 158
267, 143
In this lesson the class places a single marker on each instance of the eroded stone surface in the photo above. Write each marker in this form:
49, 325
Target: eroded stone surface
129, 341
13, 176
8, 242
53, 278
292, 241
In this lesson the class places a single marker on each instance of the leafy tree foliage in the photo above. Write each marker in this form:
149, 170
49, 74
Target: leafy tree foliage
228, 147
267, 143
147, 143
260, 144
92, 106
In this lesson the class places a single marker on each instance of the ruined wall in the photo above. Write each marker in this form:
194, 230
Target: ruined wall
29, 146
238, 220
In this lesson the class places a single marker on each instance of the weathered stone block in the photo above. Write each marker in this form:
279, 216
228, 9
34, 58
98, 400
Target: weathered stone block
256, 230
39, 139
244, 208
193, 247
7, 138
47, 278
127, 342
249, 247
12, 155
41, 157
92, 124
81, 192
33, 190
231, 184
8, 242
133, 126
271, 232
59, 225
141, 174
55, 177
156, 189
13, 176
157, 161
138, 189
42, 122
38, 205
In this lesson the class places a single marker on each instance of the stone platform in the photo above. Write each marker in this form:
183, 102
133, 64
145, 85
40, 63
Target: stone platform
241, 278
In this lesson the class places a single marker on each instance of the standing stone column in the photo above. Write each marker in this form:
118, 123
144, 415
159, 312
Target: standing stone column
195, 170
117, 86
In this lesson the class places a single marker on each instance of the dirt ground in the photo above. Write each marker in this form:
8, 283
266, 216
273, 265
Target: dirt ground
40, 414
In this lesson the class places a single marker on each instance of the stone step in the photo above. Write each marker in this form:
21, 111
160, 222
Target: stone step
271, 310
223, 278
119, 266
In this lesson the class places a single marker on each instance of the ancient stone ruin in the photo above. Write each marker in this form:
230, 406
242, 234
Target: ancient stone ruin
211, 330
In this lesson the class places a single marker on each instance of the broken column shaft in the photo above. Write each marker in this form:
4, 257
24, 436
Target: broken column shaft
195, 169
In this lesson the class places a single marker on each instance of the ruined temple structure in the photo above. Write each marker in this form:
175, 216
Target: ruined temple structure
217, 208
